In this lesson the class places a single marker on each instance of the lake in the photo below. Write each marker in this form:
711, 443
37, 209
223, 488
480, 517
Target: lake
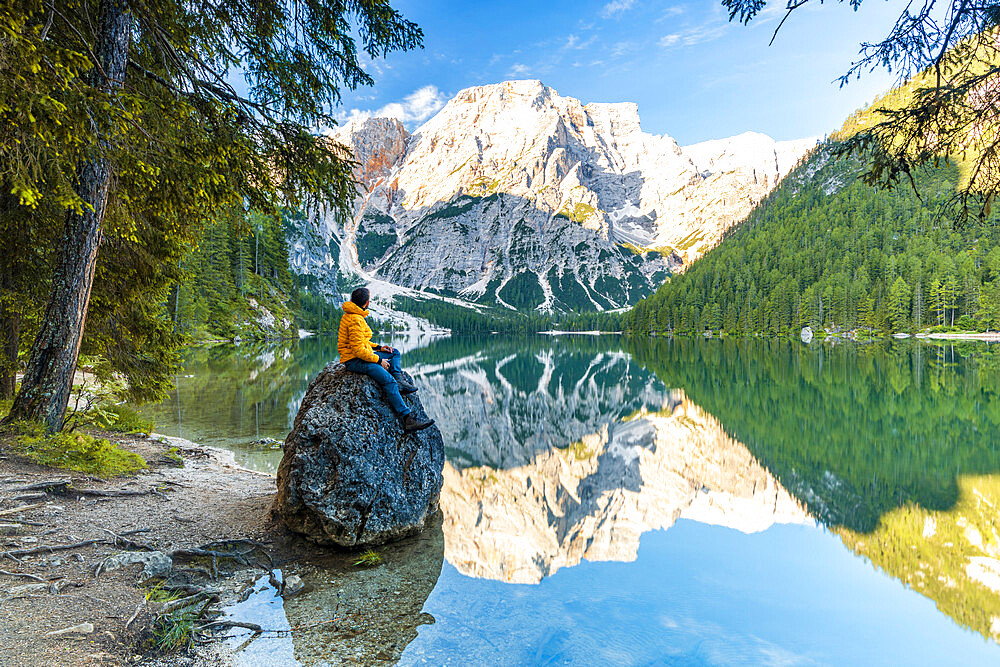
611, 501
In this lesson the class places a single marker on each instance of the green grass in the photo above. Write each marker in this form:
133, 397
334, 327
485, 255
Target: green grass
173, 455
77, 451
159, 594
369, 558
174, 632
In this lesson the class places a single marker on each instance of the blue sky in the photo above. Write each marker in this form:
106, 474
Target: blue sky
694, 75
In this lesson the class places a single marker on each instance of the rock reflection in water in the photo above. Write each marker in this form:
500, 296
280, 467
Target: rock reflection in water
377, 611
594, 499
500, 406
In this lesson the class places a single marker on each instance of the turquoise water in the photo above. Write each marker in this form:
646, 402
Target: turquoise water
636, 502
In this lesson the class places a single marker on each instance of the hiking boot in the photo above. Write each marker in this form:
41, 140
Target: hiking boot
404, 386
412, 423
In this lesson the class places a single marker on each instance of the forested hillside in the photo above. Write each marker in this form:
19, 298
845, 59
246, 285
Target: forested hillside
237, 283
827, 250
875, 440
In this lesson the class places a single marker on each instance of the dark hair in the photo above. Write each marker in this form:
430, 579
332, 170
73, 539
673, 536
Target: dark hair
360, 297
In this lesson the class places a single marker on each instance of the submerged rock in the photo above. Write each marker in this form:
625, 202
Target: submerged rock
349, 475
806, 335
292, 585
382, 608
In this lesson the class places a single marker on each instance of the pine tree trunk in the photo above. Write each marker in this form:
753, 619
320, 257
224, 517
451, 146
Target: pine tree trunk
48, 377
10, 330
10, 319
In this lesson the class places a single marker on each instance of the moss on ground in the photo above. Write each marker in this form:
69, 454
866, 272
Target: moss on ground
72, 450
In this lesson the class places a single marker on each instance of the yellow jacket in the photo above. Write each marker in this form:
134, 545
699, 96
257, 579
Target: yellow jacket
354, 339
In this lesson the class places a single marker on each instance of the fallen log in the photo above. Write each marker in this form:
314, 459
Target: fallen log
44, 484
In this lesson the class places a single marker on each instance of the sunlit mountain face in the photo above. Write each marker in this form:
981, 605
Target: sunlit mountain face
516, 197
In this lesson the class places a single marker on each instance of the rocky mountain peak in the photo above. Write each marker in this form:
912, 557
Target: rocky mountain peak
516, 196
377, 144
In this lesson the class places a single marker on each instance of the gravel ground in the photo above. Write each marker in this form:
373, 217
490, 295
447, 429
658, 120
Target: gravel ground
209, 499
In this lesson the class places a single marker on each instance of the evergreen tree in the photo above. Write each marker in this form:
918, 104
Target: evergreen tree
899, 305
86, 96
947, 52
989, 305
937, 293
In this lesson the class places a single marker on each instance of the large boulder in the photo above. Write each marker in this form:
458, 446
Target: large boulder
350, 476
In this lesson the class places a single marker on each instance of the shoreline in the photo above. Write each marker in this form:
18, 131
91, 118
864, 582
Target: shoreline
991, 337
60, 528
556, 332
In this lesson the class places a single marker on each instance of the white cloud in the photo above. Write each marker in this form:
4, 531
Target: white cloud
519, 69
621, 48
418, 106
616, 7
696, 35
573, 43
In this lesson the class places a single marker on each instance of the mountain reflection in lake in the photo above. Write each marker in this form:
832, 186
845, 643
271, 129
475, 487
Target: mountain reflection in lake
718, 481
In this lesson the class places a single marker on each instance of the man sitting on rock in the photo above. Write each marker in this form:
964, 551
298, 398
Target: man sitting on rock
380, 362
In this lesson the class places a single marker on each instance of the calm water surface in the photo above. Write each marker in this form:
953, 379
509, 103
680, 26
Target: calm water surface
689, 502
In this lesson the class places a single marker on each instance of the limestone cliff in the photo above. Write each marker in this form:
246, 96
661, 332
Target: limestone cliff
515, 196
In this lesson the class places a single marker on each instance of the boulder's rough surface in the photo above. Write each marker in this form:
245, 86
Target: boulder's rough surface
350, 476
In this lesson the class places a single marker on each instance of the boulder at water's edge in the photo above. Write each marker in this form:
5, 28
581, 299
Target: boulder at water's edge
350, 476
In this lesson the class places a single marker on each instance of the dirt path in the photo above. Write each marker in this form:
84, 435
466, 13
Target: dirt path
207, 500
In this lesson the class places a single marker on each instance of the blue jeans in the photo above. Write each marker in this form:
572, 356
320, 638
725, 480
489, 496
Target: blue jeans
382, 377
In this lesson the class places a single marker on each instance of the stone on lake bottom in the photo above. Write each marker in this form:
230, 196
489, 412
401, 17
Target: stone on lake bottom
292, 585
349, 475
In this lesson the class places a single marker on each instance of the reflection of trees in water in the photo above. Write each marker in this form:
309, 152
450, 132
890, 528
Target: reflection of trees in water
230, 395
239, 394
951, 557
879, 441
853, 431
895, 446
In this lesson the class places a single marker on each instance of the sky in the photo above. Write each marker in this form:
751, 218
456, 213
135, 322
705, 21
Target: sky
694, 75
